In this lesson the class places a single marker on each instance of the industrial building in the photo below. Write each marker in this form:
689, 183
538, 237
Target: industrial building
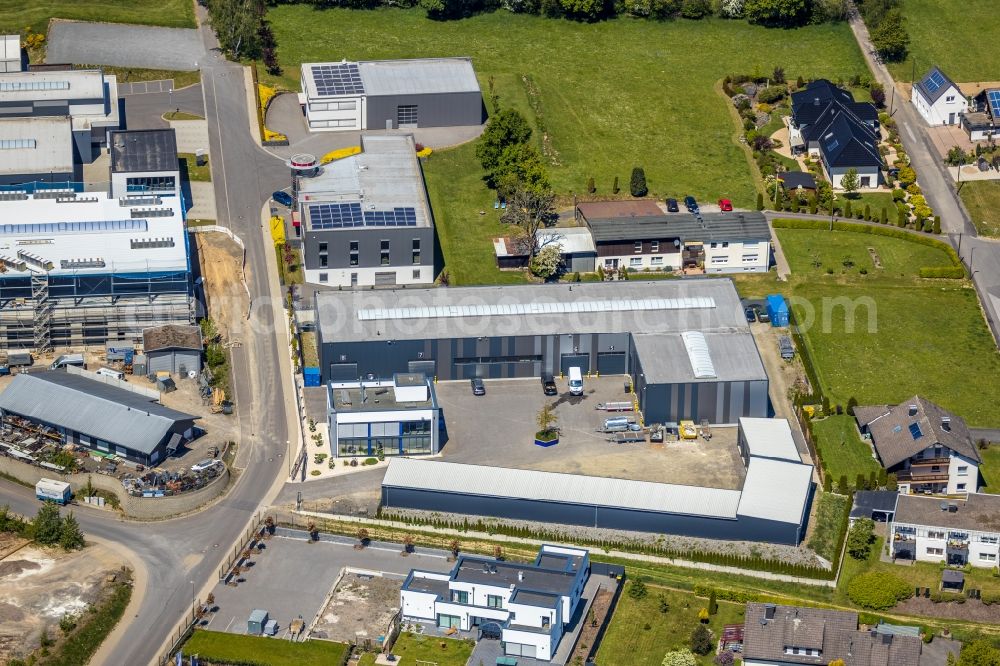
104, 415
772, 506
145, 162
173, 348
526, 606
367, 220
10, 54
685, 345
399, 416
391, 94
38, 149
85, 268
766, 438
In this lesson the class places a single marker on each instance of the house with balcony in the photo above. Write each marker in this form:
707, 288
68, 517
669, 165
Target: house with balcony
525, 606
929, 449
954, 531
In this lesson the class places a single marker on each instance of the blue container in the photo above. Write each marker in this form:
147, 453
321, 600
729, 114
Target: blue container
310, 377
777, 310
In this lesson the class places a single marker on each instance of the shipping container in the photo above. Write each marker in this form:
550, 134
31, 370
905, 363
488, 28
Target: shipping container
50, 490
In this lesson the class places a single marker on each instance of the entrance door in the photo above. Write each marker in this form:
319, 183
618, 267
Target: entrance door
866, 181
354, 279
951, 118
447, 621
406, 115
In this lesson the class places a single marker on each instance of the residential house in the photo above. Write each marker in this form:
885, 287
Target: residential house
955, 531
775, 635
983, 116
576, 246
842, 133
525, 606
938, 100
929, 449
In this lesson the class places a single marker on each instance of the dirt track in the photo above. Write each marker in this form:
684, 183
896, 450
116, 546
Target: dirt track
221, 262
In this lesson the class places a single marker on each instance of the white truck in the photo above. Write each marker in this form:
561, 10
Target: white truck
50, 490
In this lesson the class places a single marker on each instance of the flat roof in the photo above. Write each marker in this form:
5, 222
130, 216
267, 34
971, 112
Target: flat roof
171, 336
36, 145
769, 438
502, 573
434, 586
376, 395
94, 234
980, 512
867, 501
10, 49
733, 354
593, 210
385, 176
734, 226
775, 490
143, 150
537, 599
417, 76
49, 85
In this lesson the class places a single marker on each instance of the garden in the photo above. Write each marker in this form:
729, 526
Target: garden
412, 648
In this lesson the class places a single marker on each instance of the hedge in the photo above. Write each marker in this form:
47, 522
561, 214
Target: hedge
951, 272
878, 590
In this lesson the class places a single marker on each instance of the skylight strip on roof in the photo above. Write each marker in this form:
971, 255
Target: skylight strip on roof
698, 354
537, 308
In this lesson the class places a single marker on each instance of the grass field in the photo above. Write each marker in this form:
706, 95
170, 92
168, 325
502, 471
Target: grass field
877, 201
218, 647
194, 172
982, 198
831, 510
640, 634
935, 26
887, 335
411, 647
613, 94
16, 15
990, 469
842, 449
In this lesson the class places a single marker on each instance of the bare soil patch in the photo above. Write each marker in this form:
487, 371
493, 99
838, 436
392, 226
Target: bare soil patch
361, 607
972, 610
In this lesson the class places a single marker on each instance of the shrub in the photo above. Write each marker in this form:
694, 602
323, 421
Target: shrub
591, 187
878, 590
868, 212
637, 184
860, 538
760, 201
847, 210
637, 589
614, 188
696, 9
701, 640
370, 461
679, 658
771, 94
945, 272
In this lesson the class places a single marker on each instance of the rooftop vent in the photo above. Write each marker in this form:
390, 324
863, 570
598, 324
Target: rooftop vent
946, 423
886, 639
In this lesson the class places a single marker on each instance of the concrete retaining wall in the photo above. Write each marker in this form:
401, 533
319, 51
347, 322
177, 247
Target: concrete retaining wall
143, 508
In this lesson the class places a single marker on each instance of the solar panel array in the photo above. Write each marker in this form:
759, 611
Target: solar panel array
993, 96
543, 308
341, 215
934, 81
338, 79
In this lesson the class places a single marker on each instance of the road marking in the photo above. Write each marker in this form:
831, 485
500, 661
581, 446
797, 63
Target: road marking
909, 133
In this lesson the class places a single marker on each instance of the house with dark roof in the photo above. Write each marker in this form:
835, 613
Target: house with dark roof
954, 531
842, 133
938, 99
982, 120
929, 449
774, 635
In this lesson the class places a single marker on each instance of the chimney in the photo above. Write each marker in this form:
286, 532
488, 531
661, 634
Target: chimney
769, 611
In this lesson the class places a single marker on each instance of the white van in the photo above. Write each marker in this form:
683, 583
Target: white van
108, 372
67, 359
575, 381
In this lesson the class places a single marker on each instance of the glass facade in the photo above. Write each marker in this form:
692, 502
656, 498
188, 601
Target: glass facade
390, 438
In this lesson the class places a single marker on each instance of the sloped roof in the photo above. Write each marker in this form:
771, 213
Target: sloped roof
845, 141
795, 179
897, 434
92, 408
733, 226
171, 336
934, 84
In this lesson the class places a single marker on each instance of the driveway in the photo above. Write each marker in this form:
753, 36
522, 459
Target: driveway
124, 45
144, 110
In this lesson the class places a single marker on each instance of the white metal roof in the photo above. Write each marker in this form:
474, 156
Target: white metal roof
775, 490
698, 354
769, 438
10, 52
69, 84
418, 76
39, 145
567, 488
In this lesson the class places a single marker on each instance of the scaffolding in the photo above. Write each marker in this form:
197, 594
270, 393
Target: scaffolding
42, 322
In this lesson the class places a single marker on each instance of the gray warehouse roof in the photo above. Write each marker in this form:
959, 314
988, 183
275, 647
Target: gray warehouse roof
775, 490
144, 150
47, 85
418, 76
733, 354
41, 145
91, 407
735, 227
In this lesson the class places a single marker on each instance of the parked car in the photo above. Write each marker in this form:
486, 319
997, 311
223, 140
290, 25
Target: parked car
725, 205
691, 204
549, 385
284, 198
751, 315
786, 348
672, 206
762, 315
478, 388
203, 465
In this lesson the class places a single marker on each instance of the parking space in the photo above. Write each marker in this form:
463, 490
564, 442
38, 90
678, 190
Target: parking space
498, 429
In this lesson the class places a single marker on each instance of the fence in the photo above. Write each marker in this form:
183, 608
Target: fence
603, 569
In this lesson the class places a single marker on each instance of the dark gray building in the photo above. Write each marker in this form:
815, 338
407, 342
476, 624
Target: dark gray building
173, 348
686, 346
391, 94
366, 219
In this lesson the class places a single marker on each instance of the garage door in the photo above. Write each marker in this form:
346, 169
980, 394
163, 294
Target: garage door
611, 363
568, 361
429, 368
386, 278
341, 372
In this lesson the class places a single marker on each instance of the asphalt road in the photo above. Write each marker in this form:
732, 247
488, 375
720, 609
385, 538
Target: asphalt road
145, 110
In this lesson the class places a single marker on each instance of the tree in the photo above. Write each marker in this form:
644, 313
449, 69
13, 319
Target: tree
877, 92
868, 212
760, 201
679, 658
979, 653
847, 210
724, 658
890, 38
827, 483
852, 402
860, 538
842, 485
70, 536
46, 528
530, 211
731, 8
713, 604
777, 13
584, 10
506, 128
778, 75
591, 186
956, 156
891, 482
883, 477
637, 184
362, 535
860, 483
637, 589
547, 420
701, 640
455, 546
520, 166
696, 9
850, 182
885, 215
237, 23
547, 262
444, 10
907, 177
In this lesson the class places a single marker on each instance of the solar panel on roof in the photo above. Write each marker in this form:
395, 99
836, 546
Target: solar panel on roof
915, 431
340, 215
993, 96
535, 308
338, 79
933, 81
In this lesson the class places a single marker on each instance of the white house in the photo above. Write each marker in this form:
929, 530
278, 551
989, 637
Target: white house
938, 100
954, 531
929, 449
525, 606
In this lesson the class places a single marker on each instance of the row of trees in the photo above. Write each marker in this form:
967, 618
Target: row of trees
244, 32
48, 527
885, 23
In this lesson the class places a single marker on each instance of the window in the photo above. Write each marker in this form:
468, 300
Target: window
960, 487
354, 246
416, 274
494, 601
714, 245
988, 557
459, 597
324, 260
324, 277
656, 261
654, 246
720, 260
150, 184
354, 253
406, 114
416, 257
935, 535
545, 622
935, 551
635, 261
988, 539
963, 470
638, 246
749, 258
384, 253
949, 98
726, 244
322, 247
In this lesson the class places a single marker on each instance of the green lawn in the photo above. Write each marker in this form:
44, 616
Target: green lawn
640, 634
18, 14
443, 651
195, 172
935, 26
876, 200
220, 648
990, 469
887, 335
982, 198
842, 449
831, 510
614, 94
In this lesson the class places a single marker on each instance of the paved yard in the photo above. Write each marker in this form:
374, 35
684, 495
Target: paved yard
498, 429
124, 45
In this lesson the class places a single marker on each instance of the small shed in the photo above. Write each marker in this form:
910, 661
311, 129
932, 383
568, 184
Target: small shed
952, 580
257, 622
777, 310
174, 348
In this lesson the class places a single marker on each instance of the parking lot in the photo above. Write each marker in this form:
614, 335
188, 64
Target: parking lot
498, 429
